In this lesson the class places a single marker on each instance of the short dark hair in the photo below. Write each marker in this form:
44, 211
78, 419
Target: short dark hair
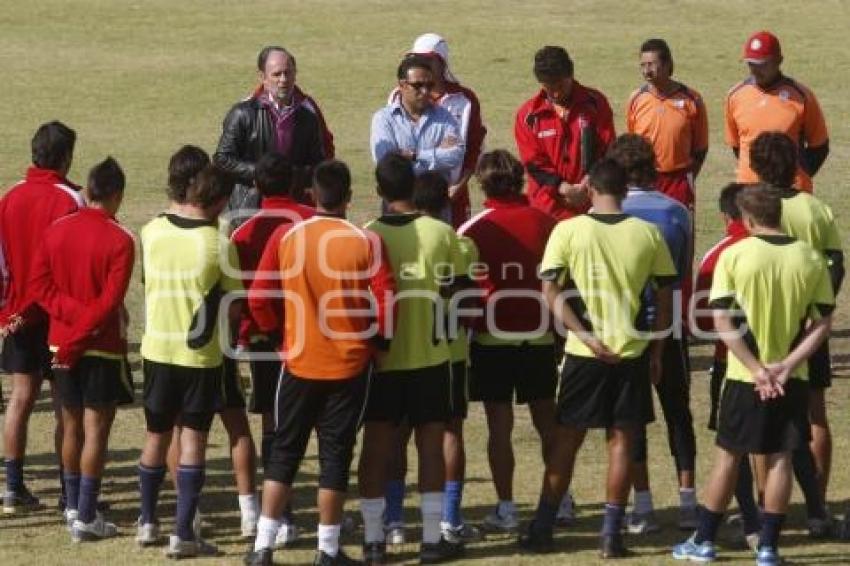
395, 177
332, 184
762, 204
608, 177
414, 61
211, 186
263, 57
105, 179
636, 156
53, 145
551, 63
657, 46
273, 174
500, 173
431, 193
183, 168
728, 200
773, 157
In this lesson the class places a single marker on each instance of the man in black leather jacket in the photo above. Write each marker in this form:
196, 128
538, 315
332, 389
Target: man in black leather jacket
277, 117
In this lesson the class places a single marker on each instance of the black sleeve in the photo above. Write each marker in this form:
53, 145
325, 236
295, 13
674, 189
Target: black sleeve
542, 177
723, 303
232, 146
811, 158
552, 274
825, 310
836, 268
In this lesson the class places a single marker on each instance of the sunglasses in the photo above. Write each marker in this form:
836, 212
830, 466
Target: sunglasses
424, 85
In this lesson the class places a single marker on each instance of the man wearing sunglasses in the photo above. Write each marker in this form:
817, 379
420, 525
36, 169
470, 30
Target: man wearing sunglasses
416, 128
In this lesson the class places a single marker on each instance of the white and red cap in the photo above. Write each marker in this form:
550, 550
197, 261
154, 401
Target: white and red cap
762, 46
434, 45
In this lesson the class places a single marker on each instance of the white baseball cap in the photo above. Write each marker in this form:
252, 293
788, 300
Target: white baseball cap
433, 44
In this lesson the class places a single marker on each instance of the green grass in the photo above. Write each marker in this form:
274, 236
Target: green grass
138, 79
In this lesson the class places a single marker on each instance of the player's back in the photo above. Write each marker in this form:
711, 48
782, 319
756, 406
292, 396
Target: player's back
809, 219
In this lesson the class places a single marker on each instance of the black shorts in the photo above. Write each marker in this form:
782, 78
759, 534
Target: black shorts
420, 395
717, 374
233, 396
95, 382
334, 408
193, 394
748, 425
820, 368
499, 371
264, 377
26, 351
459, 402
594, 394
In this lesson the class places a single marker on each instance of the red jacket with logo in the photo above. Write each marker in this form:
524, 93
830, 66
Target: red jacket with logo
26, 211
80, 276
555, 149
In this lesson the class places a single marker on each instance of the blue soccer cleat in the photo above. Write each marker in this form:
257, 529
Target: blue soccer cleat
768, 556
689, 550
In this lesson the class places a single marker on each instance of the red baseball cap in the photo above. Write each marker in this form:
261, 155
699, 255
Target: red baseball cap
760, 47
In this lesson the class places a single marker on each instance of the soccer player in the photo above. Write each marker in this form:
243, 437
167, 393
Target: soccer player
273, 175
413, 379
336, 288
773, 302
79, 277
595, 269
769, 101
635, 155
560, 133
513, 352
26, 211
462, 103
773, 156
702, 321
181, 355
672, 117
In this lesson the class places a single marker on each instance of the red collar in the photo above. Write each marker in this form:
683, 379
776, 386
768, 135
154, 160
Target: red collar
736, 229
277, 202
513, 201
97, 211
46, 176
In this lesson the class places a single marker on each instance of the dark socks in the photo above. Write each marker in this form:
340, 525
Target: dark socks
62, 493
190, 480
89, 492
14, 475
394, 497
804, 472
745, 499
613, 521
544, 517
771, 525
150, 480
72, 490
709, 522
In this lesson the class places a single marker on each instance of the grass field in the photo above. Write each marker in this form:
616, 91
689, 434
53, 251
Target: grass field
138, 79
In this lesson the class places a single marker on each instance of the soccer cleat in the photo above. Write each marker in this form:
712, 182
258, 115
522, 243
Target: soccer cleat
768, 556
96, 530
70, 516
249, 526
287, 535
820, 529
495, 522
21, 500
178, 548
440, 551
642, 524
538, 541
612, 546
688, 518
463, 533
147, 534
566, 515
341, 559
689, 550
262, 557
374, 554
394, 533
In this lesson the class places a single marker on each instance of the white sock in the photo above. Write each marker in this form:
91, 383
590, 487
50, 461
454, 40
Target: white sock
687, 497
643, 502
328, 536
431, 504
248, 506
266, 532
566, 502
373, 519
506, 508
